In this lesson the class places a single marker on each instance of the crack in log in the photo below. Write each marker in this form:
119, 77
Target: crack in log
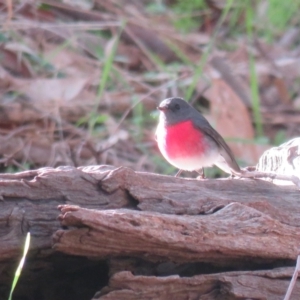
234, 232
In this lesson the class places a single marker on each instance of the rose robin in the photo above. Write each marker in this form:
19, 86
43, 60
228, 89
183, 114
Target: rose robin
188, 142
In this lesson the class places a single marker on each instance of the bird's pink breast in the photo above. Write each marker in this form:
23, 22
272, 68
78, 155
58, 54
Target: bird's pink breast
183, 140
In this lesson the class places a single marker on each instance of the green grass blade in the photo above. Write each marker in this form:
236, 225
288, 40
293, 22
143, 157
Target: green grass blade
253, 77
20, 267
105, 77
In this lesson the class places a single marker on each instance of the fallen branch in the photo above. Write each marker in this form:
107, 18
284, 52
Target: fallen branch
270, 284
236, 232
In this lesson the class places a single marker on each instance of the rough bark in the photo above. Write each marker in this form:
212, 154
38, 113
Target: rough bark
257, 285
211, 225
236, 232
166, 194
30, 200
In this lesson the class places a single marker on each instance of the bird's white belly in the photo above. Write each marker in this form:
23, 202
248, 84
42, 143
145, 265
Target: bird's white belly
194, 162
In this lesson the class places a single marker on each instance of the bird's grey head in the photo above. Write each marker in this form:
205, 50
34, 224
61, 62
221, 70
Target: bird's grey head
175, 110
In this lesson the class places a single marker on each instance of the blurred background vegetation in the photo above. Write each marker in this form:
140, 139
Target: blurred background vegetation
80, 80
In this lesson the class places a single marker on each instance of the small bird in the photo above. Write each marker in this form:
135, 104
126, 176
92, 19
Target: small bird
188, 142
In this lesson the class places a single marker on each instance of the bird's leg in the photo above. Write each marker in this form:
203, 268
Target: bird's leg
201, 173
233, 175
178, 173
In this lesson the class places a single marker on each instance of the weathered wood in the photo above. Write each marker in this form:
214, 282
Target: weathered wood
221, 223
236, 232
30, 199
283, 160
259, 285
171, 195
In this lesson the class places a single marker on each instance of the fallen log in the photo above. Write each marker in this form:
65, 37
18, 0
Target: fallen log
112, 213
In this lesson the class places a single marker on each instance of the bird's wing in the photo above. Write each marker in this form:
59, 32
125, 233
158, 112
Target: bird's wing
224, 148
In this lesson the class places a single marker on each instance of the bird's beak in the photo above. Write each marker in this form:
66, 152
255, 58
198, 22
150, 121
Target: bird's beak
162, 108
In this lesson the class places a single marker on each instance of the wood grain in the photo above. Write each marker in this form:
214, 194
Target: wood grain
110, 214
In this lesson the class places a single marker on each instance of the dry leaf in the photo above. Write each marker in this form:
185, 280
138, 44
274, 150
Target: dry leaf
71, 63
15, 63
64, 89
231, 119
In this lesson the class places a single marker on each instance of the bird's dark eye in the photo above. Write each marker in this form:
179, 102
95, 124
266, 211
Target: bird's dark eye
176, 106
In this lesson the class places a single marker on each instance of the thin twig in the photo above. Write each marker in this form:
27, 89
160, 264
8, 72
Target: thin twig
146, 96
17, 25
293, 280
